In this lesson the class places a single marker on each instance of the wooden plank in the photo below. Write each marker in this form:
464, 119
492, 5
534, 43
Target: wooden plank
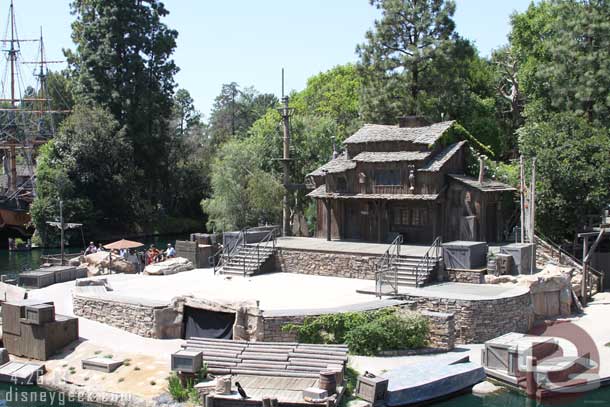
264, 356
221, 359
279, 373
317, 356
325, 361
319, 351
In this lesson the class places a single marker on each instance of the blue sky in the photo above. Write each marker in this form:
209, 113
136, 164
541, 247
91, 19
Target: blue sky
249, 41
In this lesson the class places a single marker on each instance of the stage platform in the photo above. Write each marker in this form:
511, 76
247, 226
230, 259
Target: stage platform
458, 291
346, 246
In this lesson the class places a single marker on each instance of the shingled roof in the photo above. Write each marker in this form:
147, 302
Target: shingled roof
320, 192
488, 185
441, 158
370, 133
336, 165
394, 156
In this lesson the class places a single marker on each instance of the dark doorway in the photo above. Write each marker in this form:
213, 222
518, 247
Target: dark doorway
201, 323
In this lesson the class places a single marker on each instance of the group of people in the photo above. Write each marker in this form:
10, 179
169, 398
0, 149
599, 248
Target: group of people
154, 255
92, 248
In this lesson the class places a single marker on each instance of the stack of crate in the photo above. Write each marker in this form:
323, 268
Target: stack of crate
32, 329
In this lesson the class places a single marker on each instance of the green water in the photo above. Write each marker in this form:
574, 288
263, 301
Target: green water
12, 263
600, 397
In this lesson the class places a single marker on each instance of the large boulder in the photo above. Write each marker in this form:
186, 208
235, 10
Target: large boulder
97, 262
550, 289
169, 266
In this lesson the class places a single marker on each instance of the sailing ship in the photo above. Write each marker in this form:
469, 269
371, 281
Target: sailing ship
28, 118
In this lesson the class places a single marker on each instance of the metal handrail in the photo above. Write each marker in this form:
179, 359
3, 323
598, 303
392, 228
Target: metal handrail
386, 265
226, 253
270, 238
436, 246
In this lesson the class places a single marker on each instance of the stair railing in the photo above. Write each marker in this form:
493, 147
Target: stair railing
229, 251
431, 257
386, 269
268, 241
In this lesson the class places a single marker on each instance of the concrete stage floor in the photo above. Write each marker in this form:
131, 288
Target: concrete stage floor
275, 291
458, 291
345, 246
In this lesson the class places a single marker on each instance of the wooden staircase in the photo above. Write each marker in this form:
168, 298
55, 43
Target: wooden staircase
247, 261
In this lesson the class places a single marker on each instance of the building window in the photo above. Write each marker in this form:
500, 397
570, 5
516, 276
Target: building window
341, 184
387, 177
411, 217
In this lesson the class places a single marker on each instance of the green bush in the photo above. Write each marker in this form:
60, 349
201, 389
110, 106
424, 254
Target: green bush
366, 333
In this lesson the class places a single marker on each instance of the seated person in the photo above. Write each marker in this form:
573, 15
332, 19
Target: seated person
90, 249
170, 252
152, 254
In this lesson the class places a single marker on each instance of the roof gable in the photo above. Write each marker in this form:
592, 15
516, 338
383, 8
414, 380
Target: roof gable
371, 133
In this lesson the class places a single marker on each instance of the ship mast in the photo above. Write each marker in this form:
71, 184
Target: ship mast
13, 128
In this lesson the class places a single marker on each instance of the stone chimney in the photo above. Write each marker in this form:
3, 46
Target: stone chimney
412, 121
481, 168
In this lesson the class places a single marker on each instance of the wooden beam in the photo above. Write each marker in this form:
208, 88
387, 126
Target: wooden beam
328, 220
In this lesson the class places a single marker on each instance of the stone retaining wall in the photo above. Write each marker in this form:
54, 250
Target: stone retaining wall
149, 319
467, 276
325, 263
479, 320
441, 336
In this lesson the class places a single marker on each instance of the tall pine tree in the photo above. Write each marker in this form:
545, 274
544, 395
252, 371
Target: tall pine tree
122, 62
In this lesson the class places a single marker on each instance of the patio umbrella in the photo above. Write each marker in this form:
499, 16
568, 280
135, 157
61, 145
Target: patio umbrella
123, 244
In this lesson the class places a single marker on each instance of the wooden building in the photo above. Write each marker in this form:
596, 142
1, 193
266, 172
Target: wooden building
410, 180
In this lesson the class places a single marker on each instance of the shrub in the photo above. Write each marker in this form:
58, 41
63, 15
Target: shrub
178, 392
366, 333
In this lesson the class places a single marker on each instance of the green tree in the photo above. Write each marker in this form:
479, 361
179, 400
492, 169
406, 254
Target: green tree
564, 49
235, 110
122, 62
188, 161
242, 193
88, 165
573, 171
414, 62
400, 53
334, 94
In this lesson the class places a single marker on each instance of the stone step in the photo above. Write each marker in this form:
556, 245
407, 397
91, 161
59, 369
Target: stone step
231, 272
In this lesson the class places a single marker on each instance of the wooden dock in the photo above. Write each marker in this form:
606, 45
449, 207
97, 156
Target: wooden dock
21, 373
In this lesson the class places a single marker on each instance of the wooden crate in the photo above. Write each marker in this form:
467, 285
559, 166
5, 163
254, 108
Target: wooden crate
13, 311
40, 313
37, 278
187, 361
188, 250
505, 353
371, 389
64, 273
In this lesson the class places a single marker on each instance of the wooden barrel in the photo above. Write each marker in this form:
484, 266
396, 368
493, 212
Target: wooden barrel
328, 381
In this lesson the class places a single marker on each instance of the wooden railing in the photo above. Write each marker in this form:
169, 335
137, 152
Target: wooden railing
566, 257
430, 258
386, 269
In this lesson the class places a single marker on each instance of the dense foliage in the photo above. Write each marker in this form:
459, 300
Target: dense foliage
136, 151
366, 333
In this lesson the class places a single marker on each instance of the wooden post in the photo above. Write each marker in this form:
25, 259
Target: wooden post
530, 378
61, 233
328, 220
583, 285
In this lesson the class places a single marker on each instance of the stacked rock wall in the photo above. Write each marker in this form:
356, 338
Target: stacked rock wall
325, 263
